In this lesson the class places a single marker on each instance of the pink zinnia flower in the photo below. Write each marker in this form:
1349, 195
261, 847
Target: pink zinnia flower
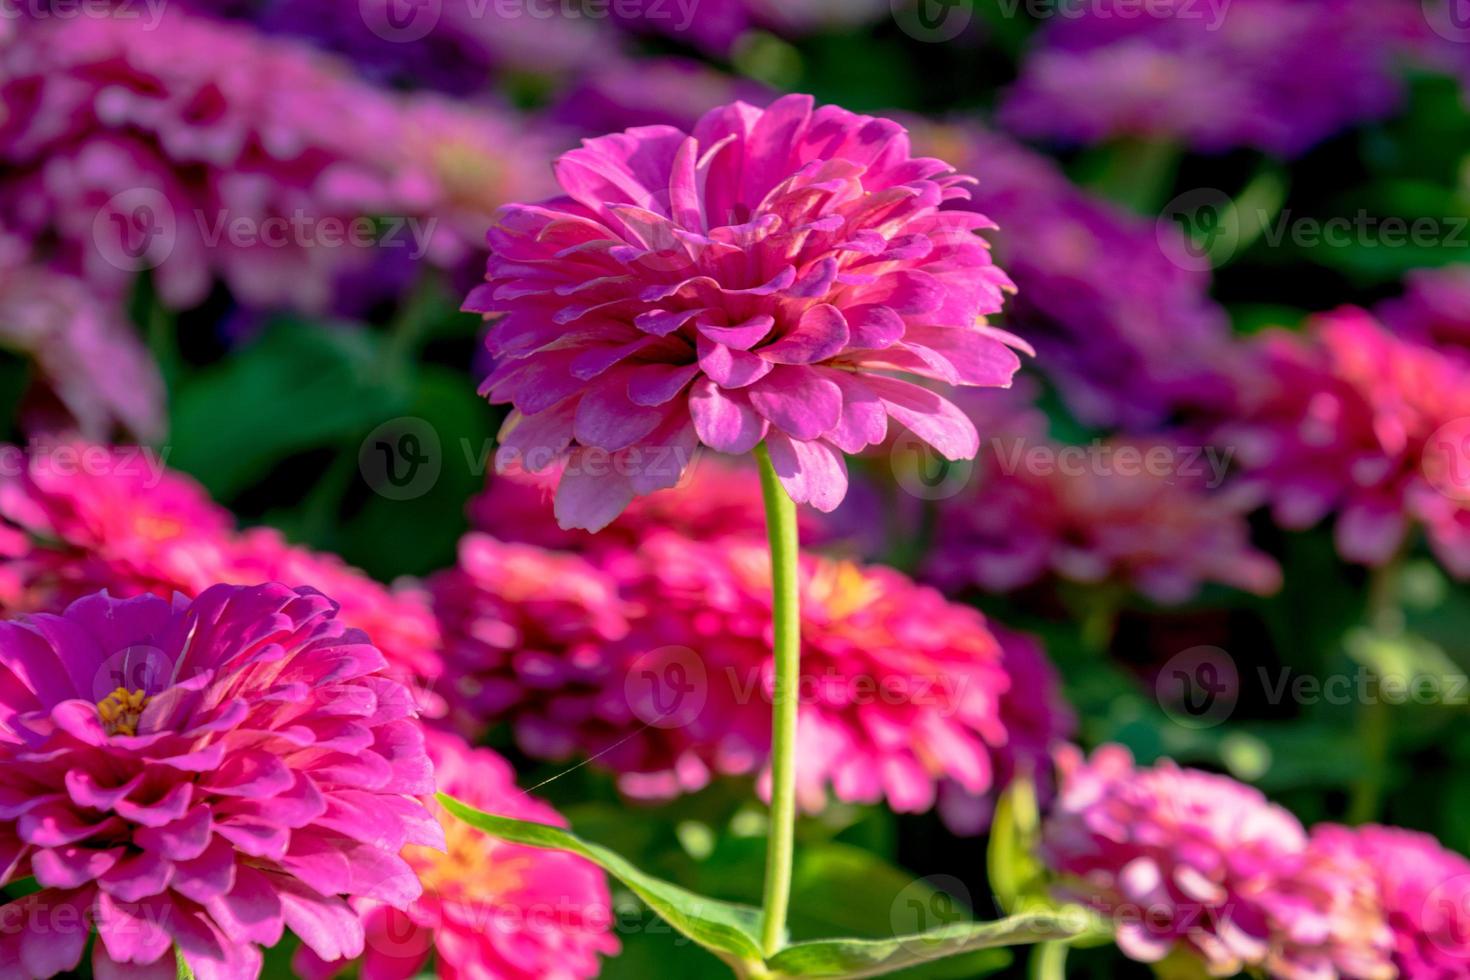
519, 621
1184, 861
1424, 890
114, 518
1351, 419
1138, 513
489, 908
661, 669
759, 279
203, 775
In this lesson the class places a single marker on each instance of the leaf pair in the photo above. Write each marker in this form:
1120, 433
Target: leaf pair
732, 931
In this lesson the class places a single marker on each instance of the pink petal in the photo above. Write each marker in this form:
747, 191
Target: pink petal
724, 421
812, 472
822, 333
798, 401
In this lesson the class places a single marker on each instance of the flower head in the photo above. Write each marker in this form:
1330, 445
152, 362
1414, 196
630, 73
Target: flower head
1188, 862
1281, 75
756, 280
489, 908
1434, 309
202, 774
1136, 513
1354, 420
1424, 890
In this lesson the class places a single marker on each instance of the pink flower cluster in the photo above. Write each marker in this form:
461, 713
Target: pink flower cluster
202, 151
489, 908
1280, 75
756, 280
97, 518
1142, 513
1354, 420
201, 775
657, 663
1188, 862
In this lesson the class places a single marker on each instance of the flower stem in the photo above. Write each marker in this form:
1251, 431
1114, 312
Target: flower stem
786, 604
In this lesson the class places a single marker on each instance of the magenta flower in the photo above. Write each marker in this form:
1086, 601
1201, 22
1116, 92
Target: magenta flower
757, 280
103, 518
901, 691
1281, 75
203, 775
1142, 514
1424, 890
489, 909
1353, 420
90, 360
1434, 309
1192, 863
517, 622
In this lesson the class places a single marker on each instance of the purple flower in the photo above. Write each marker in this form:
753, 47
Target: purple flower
1434, 309
1190, 863
755, 281
1129, 336
1424, 890
201, 774
652, 92
1280, 75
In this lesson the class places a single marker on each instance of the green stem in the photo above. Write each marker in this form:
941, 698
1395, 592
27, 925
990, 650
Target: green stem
786, 603
1048, 961
185, 972
1385, 616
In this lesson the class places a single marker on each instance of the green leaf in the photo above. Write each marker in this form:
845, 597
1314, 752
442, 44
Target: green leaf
298, 386
727, 929
1016, 874
877, 957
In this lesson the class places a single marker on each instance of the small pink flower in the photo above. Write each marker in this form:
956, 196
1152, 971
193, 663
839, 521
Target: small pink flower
756, 280
1424, 890
1353, 420
489, 908
201, 774
1184, 861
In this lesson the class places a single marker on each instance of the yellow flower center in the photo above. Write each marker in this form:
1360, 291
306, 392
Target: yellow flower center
121, 710
841, 588
473, 867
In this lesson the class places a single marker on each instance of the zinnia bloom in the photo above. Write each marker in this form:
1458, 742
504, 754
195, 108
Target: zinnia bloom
203, 775
489, 908
1424, 890
1184, 861
518, 621
1434, 309
114, 518
900, 690
91, 362
1345, 420
1280, 75
756, 280
1144, 514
